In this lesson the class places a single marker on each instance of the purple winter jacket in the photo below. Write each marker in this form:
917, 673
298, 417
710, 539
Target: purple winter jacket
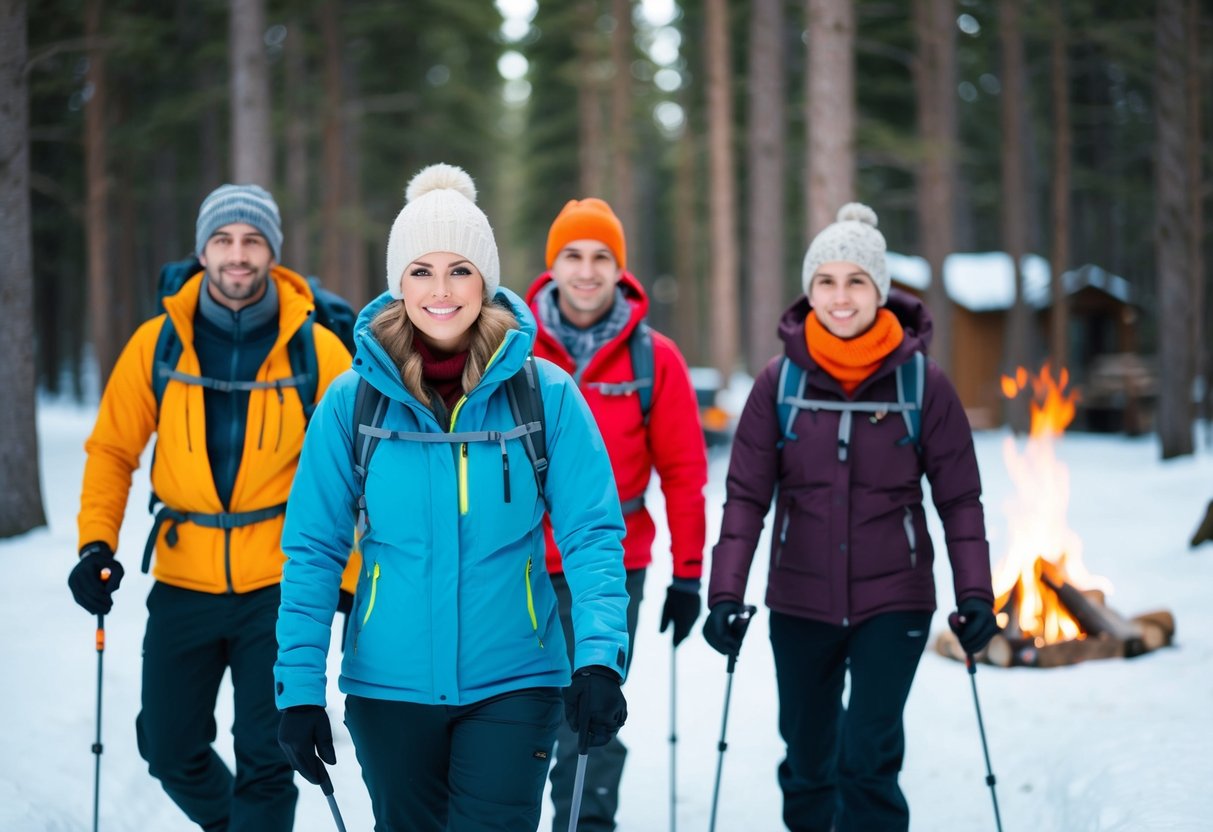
850, 538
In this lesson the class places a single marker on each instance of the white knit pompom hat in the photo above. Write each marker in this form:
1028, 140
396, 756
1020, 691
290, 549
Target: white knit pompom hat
852, 239
440, 214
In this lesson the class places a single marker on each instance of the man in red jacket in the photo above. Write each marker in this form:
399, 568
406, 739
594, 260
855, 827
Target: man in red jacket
590, 312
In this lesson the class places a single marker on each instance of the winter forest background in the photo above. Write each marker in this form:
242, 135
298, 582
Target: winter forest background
1068, 136
725, 134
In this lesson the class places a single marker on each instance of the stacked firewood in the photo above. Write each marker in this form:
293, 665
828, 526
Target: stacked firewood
1106, 634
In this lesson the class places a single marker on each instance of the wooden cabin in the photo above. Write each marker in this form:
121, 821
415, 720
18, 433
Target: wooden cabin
981, 286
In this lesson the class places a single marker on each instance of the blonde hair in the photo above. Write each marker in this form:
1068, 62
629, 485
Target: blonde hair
393, 329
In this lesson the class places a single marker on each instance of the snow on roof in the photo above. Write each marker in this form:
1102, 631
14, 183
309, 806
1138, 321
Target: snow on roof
985, 281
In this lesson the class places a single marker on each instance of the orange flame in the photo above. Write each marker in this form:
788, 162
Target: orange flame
1037, 528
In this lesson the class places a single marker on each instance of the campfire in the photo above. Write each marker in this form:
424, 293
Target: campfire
1052, 611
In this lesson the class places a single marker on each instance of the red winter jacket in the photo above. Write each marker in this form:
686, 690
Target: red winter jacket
672, 442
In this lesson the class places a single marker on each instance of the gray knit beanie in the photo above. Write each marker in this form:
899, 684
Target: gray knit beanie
852, 239
440, 214
239, 203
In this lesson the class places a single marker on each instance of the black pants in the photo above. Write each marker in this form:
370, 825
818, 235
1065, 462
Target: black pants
842, 764
192, 638
604, 765
458, 768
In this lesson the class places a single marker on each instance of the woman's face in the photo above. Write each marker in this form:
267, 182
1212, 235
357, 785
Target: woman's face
844, 298
443, 294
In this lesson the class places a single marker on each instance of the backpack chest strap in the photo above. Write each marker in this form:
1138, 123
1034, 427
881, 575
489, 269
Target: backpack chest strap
845, 409
221, 520
224, 386
454, 438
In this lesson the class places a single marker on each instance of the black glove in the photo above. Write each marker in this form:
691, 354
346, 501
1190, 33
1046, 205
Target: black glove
723, 629
681, 608
306, 738
594, 705
976, 625
90, 589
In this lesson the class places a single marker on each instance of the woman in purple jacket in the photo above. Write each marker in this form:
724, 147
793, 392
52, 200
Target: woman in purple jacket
850, 585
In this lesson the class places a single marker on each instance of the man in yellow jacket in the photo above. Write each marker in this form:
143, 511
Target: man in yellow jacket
229, 427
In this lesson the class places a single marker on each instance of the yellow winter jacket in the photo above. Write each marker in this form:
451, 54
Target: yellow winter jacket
204, 559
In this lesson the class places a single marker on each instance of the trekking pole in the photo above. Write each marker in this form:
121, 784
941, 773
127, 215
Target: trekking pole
738, 624
326, 786
583, 756
673, 737
100, 641
971, 665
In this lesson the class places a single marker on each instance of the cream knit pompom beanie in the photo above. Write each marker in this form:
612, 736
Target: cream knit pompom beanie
440, 214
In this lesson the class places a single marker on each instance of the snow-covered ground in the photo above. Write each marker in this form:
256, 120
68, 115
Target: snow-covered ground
1117, 745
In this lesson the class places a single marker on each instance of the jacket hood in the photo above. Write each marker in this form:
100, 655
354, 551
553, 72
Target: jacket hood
372, 362
911, 312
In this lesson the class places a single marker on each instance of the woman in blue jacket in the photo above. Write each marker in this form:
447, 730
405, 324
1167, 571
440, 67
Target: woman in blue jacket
455, 656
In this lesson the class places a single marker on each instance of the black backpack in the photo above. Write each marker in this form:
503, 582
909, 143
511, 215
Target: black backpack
332, 312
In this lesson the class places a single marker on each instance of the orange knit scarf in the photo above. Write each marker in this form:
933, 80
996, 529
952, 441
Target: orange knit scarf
852, 360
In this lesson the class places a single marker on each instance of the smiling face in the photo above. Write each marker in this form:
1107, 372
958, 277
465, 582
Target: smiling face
586, 274
443, 294
237, 259
844, 298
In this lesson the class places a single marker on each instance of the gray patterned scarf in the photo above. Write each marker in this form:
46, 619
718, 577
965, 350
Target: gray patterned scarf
582, 344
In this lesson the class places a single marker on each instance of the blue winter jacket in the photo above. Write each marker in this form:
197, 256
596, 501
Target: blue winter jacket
454, 603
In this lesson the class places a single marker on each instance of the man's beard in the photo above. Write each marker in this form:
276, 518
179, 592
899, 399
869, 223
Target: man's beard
233, 293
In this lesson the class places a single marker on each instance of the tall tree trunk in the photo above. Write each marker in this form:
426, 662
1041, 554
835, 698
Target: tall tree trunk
723, 190
623, 169
1196, 204
252, 139
1172, 233
1059, 319
768, 170
1013, 104
589, 102
934, 71
21, 496
687, 265
96, 222
297, 119
354, 242
830, 111
334, 167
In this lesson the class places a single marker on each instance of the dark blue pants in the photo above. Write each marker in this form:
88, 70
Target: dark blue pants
192, 638
458, 768
604, 765
842, 764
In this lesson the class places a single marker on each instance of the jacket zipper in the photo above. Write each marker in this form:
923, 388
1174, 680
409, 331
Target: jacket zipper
907, 522
227, 559
530, 602
783, 534
463, 449
370, 605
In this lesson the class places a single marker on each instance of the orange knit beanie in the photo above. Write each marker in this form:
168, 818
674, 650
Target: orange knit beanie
587, 219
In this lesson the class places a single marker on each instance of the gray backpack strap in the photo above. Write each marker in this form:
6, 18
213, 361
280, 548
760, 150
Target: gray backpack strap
912, 376
224, 386
370, 406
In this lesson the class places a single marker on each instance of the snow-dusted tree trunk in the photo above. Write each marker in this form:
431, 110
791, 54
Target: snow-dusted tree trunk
249, 82
722, 194
766, 125
830, 111
21, 496
1171, 229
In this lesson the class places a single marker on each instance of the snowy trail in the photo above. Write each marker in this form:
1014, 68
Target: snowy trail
1099, 747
